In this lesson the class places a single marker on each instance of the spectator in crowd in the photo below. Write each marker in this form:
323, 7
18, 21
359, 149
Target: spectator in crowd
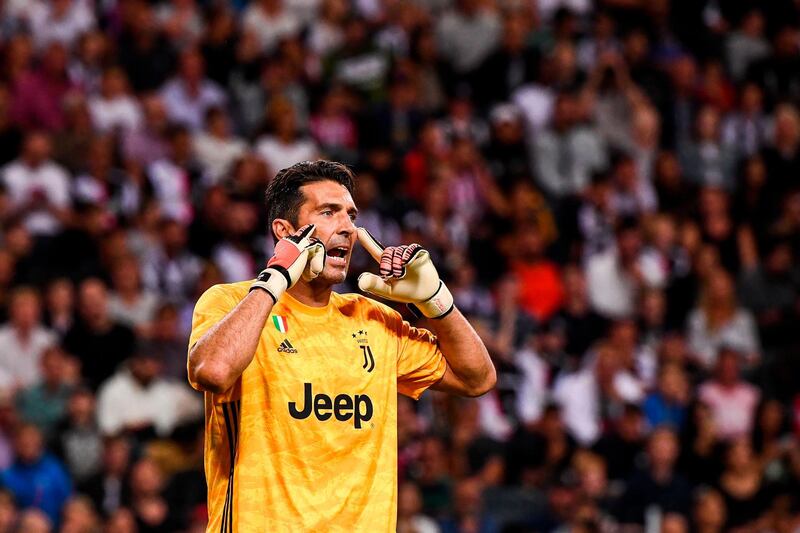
746, 128
567, 153
36, 479
284, 145
467, 34
595, 394
23, 340
657, 484
667, 405
8, 511
109, 489
147, 502
61, 22
37, 187
129, 303
709, 512
115, 109
409, 512
623, 446
215, 148
79, 443
139, 400
541, 288
189, 95
35, 521
583, 326
467, 510
616, 276
99, 343
79, 515
39, 95
742, 485
172, 177
708, 160
147, 143
170, 269
270, 21
146, 54
732, 400
782, 156
101, 181
44, 403
719, 321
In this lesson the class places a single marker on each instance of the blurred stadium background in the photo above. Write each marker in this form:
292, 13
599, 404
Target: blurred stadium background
611, 189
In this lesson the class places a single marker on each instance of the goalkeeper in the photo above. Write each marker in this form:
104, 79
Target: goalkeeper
301, 383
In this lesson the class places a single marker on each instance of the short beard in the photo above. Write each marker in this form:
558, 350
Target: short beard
329, 278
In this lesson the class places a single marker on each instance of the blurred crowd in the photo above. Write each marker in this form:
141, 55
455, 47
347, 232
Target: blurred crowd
610, 188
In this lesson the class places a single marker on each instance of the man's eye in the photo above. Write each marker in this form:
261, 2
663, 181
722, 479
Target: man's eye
327, 212
353, 217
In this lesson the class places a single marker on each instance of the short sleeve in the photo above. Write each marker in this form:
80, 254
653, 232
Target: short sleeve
420, 362
212, 307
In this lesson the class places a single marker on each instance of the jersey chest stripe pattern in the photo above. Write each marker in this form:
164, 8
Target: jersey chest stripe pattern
230, 411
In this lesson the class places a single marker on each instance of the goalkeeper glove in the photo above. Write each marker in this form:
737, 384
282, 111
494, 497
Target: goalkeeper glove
407, 275
298, 255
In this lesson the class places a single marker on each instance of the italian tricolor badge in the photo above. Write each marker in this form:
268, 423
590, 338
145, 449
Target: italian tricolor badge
280, 323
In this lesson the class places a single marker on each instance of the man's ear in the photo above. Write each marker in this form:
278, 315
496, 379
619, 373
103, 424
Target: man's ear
282, 228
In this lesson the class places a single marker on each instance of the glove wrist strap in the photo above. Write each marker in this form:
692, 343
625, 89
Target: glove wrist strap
437, 306
273, 281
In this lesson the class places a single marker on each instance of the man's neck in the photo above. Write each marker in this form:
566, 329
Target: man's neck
312, 295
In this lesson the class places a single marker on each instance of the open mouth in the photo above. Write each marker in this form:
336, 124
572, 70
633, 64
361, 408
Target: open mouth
337, 256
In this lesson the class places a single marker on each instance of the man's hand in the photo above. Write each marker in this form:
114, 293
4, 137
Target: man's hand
298, 255
407, 275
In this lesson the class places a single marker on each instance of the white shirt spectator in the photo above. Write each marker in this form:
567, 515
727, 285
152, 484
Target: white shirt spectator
122, 401
139, 313
533, 390
189, 109
740, 333
465, 40
25, 183
491, 419
217, 155
269, 28
564, 163
234, 263
732, 408
324, 38
19, 361
612, 290
172, 189
536, 102
578, 396
48, 26
279, 155
110, 114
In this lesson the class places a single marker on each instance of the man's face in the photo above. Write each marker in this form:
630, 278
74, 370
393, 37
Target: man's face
330, 207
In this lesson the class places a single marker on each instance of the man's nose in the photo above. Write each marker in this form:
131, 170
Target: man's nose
347, 226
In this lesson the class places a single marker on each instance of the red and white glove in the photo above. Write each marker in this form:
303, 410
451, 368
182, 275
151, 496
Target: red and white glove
407, 275
298, 255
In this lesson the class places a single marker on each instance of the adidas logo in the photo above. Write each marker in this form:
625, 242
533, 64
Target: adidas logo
286, 347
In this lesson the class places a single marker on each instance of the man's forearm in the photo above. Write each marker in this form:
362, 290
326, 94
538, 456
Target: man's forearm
470, 369
221, 355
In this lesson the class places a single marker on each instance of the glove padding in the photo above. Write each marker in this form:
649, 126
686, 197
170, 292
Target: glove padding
298, 255
407, 275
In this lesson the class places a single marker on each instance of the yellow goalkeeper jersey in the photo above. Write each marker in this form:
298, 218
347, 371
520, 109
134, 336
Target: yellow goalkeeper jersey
306, 440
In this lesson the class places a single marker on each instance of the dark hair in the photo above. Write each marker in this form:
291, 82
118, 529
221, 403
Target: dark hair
284, 197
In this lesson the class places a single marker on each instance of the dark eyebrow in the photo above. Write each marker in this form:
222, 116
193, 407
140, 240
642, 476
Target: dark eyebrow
338, 207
